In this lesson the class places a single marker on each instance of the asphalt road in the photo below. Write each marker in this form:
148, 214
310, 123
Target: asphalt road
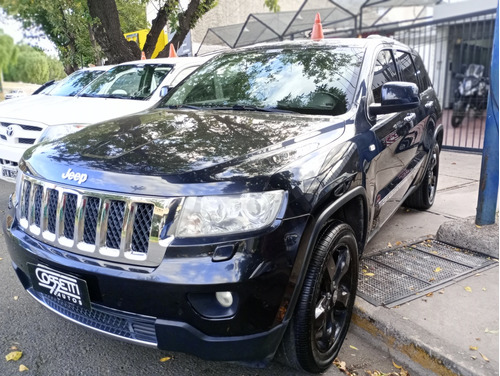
54, 346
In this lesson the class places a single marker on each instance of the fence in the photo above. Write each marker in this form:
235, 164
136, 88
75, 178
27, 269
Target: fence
448, 47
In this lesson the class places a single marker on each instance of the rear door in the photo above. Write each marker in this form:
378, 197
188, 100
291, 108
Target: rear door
393, 170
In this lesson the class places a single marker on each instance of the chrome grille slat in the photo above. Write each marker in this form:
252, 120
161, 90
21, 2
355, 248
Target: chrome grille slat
97, 224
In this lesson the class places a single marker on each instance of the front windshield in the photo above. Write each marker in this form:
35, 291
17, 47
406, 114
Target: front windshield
306, 80
74, 83
134, 81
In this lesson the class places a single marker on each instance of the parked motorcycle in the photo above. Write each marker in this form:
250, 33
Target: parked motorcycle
471, 94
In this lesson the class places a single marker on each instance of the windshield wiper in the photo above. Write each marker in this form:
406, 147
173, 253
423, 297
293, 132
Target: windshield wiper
239, 107
181, 106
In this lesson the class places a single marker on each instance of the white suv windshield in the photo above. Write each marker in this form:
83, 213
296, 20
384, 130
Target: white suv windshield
313, 81
137, 81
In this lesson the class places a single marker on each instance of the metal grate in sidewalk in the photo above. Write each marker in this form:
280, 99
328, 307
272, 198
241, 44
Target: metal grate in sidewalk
395, 276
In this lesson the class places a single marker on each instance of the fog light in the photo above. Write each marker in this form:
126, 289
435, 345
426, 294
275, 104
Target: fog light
225, 298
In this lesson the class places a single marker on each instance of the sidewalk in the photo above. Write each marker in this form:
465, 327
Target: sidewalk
453, 331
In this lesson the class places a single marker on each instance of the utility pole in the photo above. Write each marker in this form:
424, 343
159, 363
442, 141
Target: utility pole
488, 183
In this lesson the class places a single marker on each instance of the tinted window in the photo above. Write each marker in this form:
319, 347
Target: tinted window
313, 80
408, 72
422, 73
385, 71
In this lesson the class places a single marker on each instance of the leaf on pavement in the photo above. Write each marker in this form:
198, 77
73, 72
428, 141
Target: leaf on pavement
341, 366
165, 359
491, 331
353, 347
369, 274
437, 270
429, 294
23, 368
14, 355
484, 357
395, 365
468, 289
473, 348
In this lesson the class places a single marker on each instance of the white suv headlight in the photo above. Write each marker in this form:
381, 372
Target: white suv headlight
231, 214
53, 132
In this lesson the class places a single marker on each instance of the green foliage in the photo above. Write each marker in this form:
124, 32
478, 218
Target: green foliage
272, 5
66, 24
8, 51
132, 15
33, 66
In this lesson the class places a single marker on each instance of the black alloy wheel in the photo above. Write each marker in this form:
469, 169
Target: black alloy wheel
324, 309
423, 198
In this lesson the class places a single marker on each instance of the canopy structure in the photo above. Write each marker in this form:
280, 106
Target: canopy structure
338, 20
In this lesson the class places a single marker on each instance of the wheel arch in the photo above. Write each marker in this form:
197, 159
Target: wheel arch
345, 209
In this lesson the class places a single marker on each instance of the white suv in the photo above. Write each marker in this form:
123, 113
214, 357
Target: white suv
122, 90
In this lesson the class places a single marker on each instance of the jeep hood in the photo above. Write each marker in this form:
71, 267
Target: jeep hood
183, 147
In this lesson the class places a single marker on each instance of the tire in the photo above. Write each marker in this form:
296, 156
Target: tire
323, 313
459, 110
423, 197
456, 121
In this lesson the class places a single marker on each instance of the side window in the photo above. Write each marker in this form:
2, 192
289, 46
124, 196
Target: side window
408, 72
422, 73
182, 75
385, 71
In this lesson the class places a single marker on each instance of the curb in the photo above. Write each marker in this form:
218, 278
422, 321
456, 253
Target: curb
419, 350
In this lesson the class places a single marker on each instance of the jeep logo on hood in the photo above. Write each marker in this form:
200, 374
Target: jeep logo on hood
76, 176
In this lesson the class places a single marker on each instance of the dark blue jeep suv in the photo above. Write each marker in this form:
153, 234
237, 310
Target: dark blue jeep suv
228, 221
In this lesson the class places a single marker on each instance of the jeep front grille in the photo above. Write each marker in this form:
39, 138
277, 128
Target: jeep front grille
97, 224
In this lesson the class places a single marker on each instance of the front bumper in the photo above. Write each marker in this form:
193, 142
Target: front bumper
172, 310
9, 159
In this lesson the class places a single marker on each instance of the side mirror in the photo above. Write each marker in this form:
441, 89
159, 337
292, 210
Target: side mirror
164, 91
396, 97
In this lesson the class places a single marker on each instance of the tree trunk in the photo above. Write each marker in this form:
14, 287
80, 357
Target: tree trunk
157, 27
187, 20
108, 33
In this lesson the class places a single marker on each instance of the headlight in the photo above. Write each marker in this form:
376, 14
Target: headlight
231, 214
53, 132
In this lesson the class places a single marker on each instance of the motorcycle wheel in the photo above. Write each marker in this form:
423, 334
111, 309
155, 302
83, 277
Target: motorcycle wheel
456, 120
459, 109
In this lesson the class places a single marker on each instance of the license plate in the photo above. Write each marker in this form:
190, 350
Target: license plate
61, 285
9, 172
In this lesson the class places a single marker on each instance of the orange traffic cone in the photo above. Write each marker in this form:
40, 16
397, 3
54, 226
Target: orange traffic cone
317, 31
172, 52
143, 56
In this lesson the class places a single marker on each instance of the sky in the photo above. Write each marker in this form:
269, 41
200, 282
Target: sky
15, 30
